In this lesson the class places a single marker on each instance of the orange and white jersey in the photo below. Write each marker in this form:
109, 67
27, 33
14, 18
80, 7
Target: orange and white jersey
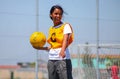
55, 39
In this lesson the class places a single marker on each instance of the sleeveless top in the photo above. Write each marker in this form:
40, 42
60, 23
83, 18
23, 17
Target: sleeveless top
55, 39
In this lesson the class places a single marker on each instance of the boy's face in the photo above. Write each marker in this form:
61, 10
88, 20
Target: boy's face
56, 16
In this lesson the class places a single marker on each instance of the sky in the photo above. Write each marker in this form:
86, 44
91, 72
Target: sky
18, 22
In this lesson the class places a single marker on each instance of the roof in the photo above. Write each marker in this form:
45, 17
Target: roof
9, 66
94, 56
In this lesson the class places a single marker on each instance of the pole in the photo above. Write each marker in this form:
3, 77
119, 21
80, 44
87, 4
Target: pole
11, 74
97, 44
36, 65
37, 28
37, 15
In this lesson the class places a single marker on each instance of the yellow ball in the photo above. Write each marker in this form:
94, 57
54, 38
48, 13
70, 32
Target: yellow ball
37, 39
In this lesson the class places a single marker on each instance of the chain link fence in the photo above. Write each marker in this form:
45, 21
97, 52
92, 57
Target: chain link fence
85, 60
84, 63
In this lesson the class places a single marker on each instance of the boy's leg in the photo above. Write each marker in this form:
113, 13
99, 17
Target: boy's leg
51, 70
64, 69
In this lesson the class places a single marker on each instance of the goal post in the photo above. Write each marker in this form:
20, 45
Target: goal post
84, 59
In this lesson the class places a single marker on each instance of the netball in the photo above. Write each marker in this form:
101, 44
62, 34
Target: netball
37, 39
